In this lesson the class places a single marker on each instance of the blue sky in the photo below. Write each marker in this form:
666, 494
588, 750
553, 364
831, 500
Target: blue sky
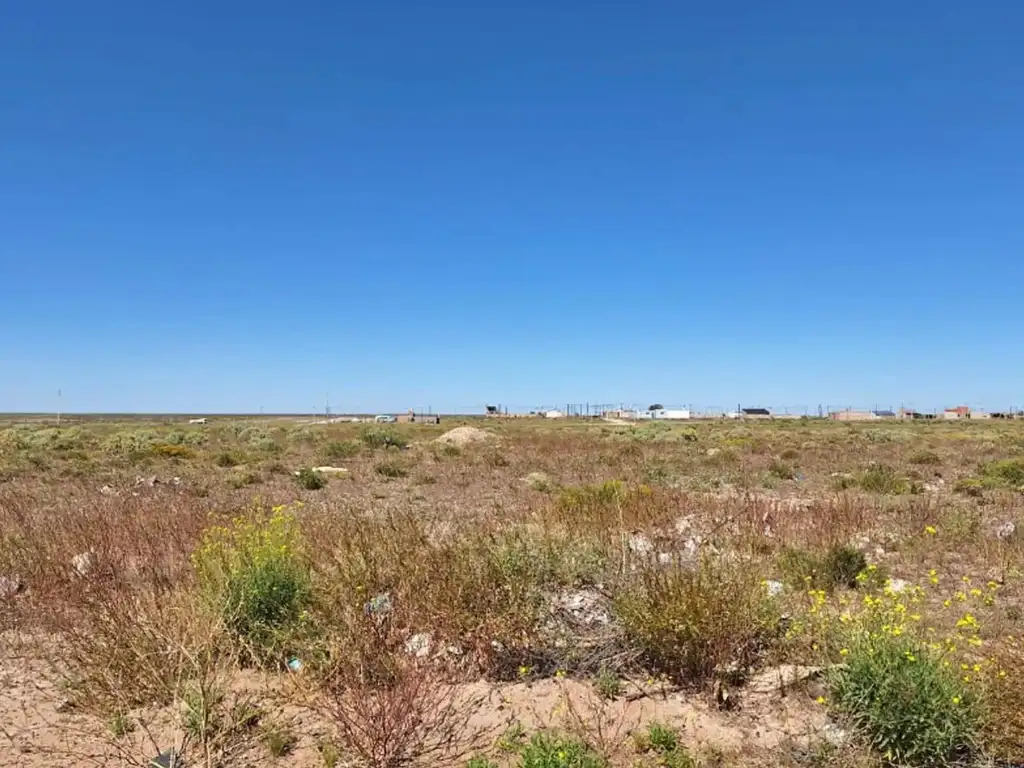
222, 206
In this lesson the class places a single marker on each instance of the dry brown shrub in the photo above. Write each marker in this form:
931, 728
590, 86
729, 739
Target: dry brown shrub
390, 708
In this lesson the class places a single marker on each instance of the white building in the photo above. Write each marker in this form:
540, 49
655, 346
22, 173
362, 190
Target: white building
553, 414
673, 414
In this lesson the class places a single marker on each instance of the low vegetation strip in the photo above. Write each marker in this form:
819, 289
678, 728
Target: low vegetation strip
568, 595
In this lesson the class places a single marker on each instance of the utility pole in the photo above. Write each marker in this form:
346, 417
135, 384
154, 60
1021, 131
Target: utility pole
58, 407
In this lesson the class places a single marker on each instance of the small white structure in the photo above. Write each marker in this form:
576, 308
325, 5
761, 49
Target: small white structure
553, 414
197, 421
674, 414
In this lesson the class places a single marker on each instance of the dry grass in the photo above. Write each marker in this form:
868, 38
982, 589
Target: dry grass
643, 553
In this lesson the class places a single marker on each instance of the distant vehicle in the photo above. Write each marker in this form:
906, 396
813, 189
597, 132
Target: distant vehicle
385, 419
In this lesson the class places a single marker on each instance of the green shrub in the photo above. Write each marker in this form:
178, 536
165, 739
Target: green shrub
280, 741
391, 469
258, 439
243, 477
193, 437
226, 459
253, 573
927, 458
838, 567
912, 708
310, 479
781, 469
879, 478
799, 568
342, 449
663, 742
842, 564
607, 684
689, 623
1007, 473
555, 751
480, 762
578, 499
383, 437
130, 444
661, 738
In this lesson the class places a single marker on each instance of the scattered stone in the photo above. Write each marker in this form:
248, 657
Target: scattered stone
454, 650
834, 735
148, 482
418, 645
639, 544
335, 471
586, 606
713, 452
463, 436
83, 563
1006, 530
10, 586
169, 759
935, 485
106, 490
774, 588
175, 481
897, 585
497, 647
63, 705
665, 559
379, 605
684, 525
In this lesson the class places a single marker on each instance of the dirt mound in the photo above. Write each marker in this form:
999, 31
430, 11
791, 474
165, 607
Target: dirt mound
463, 436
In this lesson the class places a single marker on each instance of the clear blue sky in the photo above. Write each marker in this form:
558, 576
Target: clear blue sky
223, 205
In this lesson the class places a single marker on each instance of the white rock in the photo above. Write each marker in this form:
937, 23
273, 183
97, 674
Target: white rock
331, 470
897, 585
83, 563
418, 645
106, 490
834, 735
640, 544
684, 525
774, 588
1006, 530
10, 586
587, 606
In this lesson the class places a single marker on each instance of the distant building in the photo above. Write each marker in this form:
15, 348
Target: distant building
979, 415
960, 412
671, 414
851, 415
756, 413
554, 414
884, 414
674, 414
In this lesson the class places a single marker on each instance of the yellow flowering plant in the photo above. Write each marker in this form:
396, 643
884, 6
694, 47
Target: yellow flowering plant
253, 573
